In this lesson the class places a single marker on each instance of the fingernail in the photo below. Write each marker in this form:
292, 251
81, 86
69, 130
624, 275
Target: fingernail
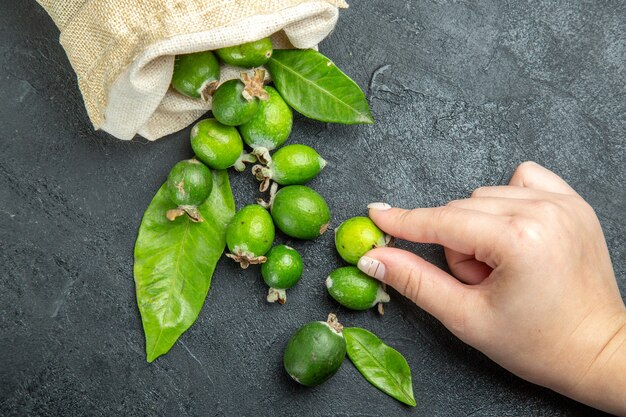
379, 206
372, 267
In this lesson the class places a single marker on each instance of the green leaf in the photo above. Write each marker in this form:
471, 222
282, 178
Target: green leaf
315, 87
383, 366
174, 262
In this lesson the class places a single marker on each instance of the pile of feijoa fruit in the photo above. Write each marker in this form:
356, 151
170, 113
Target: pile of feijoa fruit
250, 123
247, 113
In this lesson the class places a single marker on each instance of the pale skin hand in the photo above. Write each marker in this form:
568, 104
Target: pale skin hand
532, 284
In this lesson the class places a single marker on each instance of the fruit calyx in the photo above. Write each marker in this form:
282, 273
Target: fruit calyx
268, 204
245, 157
262, 154
333, 323
276, 294
263, 174
245, 258
253, 86
381, 297
208, 88
191, 211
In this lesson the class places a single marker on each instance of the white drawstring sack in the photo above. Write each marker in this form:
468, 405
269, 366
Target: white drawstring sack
123, 51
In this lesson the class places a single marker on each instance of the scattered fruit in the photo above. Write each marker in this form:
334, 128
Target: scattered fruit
235, 102
298, 211
250, 235
291, 164
196, 75
281, 271
219, 146
270, 127
315, 352
248, 55
355, 290
357, 236
189, 183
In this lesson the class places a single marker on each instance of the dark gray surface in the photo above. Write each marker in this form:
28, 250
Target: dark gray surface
462, 92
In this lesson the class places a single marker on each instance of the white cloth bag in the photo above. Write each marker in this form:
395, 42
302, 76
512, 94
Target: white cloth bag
123, 51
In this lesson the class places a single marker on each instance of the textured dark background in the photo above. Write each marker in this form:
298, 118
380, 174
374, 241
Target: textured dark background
462, 92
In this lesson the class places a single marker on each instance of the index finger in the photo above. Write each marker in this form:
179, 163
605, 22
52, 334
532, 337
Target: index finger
467, 231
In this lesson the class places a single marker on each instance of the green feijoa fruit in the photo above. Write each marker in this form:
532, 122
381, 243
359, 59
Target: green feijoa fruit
300, 212
270, 127
189, 184
248, 55
281, 271
355, 290
291, 164
196, 75
235, 102
357, 236
250, 235
219, 146
315, 352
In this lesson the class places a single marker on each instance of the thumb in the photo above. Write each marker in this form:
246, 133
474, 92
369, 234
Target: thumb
432, 289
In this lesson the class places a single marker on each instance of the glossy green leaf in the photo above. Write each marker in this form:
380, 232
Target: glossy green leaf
315, 87
383, 366
174, 263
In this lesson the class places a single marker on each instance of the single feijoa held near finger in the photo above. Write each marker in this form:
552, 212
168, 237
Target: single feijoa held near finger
354, 289
281, 271
315, 352
290, 165
218, 146
189, 184
248, 55
356, 236
196, 75
250, 235
270, 127
298, 211
235, 102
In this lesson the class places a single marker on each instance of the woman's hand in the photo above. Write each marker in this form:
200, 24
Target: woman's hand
532, 284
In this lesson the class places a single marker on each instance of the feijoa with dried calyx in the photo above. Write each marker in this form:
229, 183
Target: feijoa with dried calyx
355, 290
248, 55
270, 127
281, 271
196, 75
235, 102
189, 184
358, 235
298, 211
250, 235
219, 146
291, 164
315, 352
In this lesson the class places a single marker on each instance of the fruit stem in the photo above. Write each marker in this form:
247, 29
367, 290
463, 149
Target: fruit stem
333, 322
